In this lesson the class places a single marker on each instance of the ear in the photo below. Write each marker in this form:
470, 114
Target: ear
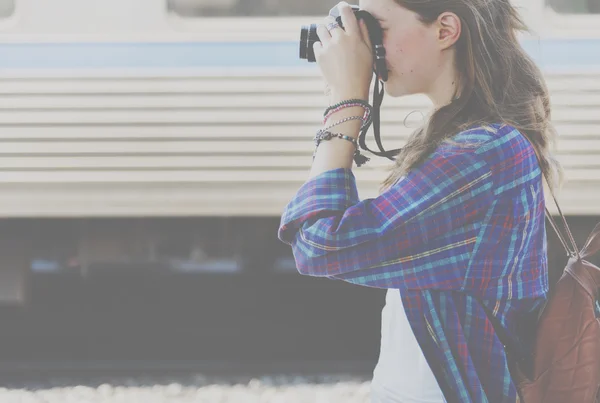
448, 27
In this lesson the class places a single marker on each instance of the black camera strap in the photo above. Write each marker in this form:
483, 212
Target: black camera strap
377, 101
380, 70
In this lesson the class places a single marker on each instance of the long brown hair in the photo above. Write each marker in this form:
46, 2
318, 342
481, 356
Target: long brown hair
498, 83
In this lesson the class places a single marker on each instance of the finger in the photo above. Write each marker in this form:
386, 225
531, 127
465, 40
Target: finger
365, 34
323, 34
348, 18
333, 27
367, 40
317, 49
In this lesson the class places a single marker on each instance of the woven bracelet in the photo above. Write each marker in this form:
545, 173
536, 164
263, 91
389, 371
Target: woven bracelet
339, 122
367, 116
356, 102
324, 135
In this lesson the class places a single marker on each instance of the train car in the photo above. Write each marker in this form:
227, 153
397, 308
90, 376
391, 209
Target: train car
120, 114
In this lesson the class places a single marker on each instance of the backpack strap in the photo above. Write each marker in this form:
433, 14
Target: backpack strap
513, 352
574, 252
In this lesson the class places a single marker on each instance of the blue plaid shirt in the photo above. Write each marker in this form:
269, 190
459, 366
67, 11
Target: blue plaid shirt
465, 228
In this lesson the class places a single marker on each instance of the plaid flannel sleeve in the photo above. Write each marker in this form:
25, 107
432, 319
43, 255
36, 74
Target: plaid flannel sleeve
419, 233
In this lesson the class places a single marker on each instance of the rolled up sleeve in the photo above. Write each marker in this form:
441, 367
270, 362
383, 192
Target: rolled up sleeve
398, 239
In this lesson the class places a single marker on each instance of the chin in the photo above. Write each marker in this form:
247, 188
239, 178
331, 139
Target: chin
395, 89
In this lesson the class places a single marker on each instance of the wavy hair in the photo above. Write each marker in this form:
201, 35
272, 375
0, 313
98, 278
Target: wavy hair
498, 83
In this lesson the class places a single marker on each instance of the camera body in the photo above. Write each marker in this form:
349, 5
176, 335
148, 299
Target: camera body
308, 36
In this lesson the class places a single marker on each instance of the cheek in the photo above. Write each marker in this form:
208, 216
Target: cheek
408, 53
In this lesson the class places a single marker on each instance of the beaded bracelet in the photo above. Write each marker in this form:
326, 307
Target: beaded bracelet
339, 122
327, 135
324, 135
366, 121
356, 102
366, 118
366, 114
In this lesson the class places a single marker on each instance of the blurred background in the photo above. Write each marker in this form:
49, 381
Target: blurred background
147, 150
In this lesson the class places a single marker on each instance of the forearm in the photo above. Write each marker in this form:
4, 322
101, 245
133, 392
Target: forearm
338, 153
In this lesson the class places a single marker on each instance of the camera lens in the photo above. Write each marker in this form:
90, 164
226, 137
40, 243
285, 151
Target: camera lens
308, 36
303, 41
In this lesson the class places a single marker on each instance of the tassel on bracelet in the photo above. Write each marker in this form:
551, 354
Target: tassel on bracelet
324, 135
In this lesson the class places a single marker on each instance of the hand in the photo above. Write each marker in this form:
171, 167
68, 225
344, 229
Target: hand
345, 57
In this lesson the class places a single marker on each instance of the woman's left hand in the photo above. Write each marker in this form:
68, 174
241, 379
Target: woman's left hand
345, 57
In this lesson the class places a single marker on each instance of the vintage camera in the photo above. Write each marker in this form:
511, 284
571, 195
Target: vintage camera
308, 36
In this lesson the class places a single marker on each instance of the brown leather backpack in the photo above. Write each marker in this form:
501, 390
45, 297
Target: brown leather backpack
565, 364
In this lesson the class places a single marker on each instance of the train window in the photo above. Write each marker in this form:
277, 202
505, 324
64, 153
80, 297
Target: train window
55, 247
249, 8
142, 246
7, 8
575, 6
206, 245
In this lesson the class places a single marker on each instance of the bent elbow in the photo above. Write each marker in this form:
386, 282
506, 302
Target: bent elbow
305, 264
308, 263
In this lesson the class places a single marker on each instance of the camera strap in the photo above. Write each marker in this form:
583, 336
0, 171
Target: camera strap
381, 73
377, 101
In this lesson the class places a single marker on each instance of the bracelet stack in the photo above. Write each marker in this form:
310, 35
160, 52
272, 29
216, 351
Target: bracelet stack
326, 134
367, 117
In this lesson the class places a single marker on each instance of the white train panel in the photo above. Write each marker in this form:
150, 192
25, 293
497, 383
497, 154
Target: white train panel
124, 109
97, 135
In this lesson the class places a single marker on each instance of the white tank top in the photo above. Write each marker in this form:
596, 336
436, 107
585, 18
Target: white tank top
402, 374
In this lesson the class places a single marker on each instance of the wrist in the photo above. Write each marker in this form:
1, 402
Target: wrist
335, 98
347, 112
346, 120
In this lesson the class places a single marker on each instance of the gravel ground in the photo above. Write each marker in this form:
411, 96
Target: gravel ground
190, 388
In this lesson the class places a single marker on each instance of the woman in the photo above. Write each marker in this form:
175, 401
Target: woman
458, 229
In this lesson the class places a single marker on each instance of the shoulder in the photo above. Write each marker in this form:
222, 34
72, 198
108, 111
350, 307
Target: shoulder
499, 145
506, 143
499, 153
507, 152
499, 139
